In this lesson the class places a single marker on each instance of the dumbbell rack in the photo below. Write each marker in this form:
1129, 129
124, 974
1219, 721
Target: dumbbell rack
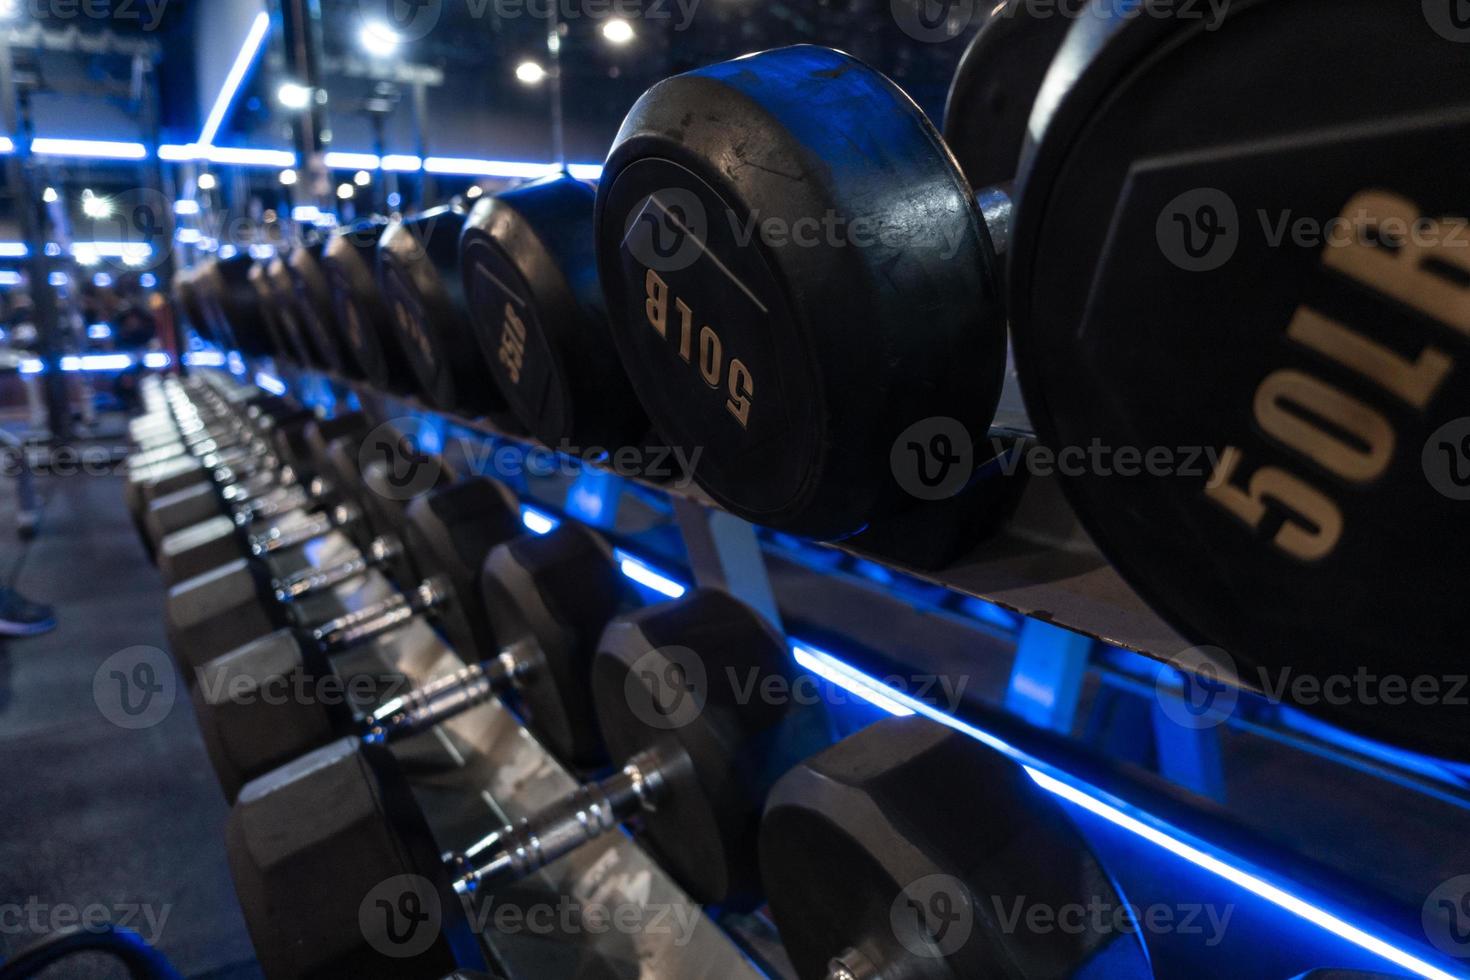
1033, 605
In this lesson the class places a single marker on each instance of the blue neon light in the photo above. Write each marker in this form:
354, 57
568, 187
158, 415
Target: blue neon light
254, 40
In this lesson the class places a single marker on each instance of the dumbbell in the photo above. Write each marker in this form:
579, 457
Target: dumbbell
206, 448
530, 277
547, 600
301, 471
1304, 405
869, 876
804, 375
277, 298
440, 542
314, 304
286, 518
350, 263
418, 273
696, 755
231, 304
1325, 374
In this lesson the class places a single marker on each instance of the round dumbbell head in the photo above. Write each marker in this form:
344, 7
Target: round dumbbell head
995, 86
338, 874
186, 302
418, 271
366, 329
530, 276
314, 305
449, 534
790, 305
857, 859
277, 343
1262, 274
692, 682
287, 310
549, 598
237, 305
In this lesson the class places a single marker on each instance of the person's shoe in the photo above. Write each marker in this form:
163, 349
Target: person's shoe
20, 616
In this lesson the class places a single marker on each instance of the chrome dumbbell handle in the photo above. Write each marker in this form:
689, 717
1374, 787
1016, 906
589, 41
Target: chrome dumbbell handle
374, 620
583, 815
310, 581
278, 539
472, 685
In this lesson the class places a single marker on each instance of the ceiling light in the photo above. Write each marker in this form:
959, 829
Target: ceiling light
617, 31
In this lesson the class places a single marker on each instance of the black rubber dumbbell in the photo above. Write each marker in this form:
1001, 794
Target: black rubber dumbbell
696, 777
868, 875
529, 273
547, 599
439, 543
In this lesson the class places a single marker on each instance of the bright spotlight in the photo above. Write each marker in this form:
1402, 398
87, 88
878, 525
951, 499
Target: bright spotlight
617, 31
96, 207
530, 73
207, 182
362, 178
474, 192
346, 191
379, 39
50, 196
288, 177
293, 96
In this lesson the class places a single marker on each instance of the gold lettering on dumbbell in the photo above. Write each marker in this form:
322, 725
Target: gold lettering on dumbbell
739, 382
513, 344
1422, 268
1427, 271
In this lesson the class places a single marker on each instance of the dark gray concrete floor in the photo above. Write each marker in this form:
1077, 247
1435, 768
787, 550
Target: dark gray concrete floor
95, 815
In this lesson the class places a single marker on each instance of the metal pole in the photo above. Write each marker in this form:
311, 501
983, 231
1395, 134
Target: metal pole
20, 173
553, 47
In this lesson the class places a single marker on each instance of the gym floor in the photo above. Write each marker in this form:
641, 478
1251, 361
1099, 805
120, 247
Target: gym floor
132, 818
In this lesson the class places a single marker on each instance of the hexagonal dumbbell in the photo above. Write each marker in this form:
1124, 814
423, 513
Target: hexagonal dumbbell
869, 875
547, 598
697, 746
435, 551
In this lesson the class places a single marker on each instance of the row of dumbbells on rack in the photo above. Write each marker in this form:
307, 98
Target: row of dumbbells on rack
743, 802
788, 275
